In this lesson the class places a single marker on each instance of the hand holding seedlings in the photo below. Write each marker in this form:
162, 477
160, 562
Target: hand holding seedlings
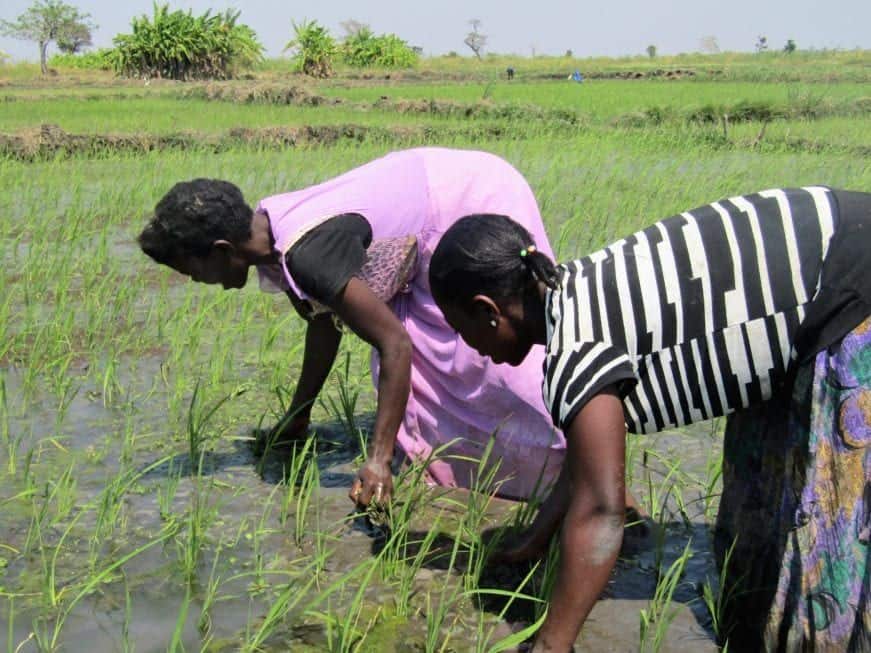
374, 484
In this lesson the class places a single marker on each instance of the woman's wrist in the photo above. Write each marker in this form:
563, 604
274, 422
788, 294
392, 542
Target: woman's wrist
380, 456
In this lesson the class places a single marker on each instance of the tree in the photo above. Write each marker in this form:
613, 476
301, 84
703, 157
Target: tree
651, 51
475, 39
77, 40
790, 46
761, 43
47, 21
353, 27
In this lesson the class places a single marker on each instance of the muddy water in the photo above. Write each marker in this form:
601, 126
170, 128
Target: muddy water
249, 551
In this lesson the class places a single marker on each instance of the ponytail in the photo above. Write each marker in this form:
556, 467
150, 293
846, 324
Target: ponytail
540, 267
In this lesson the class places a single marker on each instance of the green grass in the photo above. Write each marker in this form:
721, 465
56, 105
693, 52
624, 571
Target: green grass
161, 115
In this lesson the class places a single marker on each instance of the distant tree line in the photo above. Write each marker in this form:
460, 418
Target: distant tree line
180, 45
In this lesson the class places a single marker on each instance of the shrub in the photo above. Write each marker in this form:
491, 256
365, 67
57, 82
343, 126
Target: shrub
97, 60
179, 45
315, 49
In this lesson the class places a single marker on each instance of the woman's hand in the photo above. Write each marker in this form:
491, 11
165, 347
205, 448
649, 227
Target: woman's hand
374, 484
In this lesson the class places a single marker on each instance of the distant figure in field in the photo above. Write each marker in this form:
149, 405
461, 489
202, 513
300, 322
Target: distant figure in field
577, 77
510, 72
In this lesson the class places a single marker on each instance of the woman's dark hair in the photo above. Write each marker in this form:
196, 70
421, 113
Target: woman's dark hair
193, 215
487, 254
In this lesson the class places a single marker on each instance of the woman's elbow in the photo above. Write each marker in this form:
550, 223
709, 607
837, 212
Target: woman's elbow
397, 346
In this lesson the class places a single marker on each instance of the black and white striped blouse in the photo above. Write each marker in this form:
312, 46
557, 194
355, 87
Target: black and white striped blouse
693, 317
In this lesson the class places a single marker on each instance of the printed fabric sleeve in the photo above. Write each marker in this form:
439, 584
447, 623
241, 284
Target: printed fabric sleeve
326, 258
574, 376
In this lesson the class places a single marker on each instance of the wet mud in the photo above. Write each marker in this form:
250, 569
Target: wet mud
251, 549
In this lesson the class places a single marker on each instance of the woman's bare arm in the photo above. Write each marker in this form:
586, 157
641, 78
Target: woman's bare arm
371, 319
592, 530
322, 341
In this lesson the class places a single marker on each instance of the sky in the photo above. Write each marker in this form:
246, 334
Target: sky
602, 28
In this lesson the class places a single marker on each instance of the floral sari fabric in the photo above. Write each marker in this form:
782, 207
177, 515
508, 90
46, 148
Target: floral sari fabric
794, 523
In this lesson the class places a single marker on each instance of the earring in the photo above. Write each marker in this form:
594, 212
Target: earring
493, 323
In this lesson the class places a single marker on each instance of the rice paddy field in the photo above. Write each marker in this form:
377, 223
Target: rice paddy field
134, 515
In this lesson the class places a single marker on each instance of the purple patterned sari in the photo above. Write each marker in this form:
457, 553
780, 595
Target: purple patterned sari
797, 506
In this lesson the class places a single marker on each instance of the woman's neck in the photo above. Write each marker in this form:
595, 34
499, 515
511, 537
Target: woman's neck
534, 313
260, 248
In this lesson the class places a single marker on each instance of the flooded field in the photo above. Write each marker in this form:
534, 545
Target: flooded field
135, 514
112, 544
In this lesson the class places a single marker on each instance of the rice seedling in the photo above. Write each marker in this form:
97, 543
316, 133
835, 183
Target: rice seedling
308, 484
483, 642
294, 481
716, 600
47, 632
408, 571
345, 408
655, 618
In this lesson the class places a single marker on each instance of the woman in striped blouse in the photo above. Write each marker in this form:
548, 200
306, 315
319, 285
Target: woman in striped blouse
757, 305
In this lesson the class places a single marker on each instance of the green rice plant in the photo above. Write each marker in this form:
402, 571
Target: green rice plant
49, 639
294, 481
166, 493
657, 617
126, 644
209, 595
42, 517
411, 494
110, 505
271, 439
346, 635
175, 644
713, 477
292, 595
413, 564
308, 485
482, 642
544, 587
110, 384
716, 601
483, 488
436, 616
4, 409
436, 620
199, 418
345, 408
658, 492
526, 510
260, 530
10, 624
191, 540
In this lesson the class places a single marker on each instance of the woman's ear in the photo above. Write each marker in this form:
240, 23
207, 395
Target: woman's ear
486, 310
224, 246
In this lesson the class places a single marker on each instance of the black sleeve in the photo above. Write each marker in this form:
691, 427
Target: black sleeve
843, 299
325, 259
